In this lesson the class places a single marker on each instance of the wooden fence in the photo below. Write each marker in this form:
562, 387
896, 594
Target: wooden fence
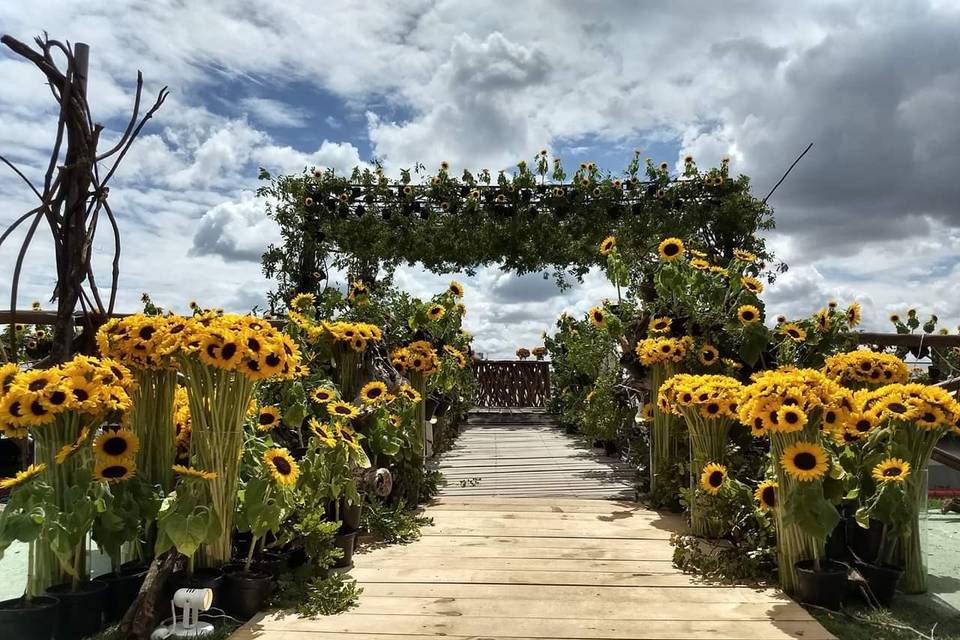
512, 383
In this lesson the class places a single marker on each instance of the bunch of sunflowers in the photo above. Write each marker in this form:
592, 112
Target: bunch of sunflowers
419, 356
709, 405
799, 410
861, 369
662, 350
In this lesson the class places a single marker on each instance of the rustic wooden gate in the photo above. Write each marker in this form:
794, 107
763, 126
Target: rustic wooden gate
512, 383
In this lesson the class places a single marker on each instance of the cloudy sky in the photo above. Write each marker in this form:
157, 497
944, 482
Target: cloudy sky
871, 214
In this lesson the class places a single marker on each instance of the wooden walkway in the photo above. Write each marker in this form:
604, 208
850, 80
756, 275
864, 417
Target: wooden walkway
499, 566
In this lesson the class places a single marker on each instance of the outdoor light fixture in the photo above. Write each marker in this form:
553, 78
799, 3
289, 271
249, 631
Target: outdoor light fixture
192, 601
433, 421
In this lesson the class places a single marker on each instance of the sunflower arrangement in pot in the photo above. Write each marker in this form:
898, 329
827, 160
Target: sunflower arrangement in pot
223, 358
903, 422
417, 361
799, 410
708, 405
64, 409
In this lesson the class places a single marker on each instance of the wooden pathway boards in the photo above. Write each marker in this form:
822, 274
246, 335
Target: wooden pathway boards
542, 564
526, 454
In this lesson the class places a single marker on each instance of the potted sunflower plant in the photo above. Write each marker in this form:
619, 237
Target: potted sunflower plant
63, 409
788, 406
262, 505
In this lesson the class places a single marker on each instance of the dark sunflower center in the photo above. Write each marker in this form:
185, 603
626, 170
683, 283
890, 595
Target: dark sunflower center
38, 384
666, 348
374, 392
791, 417
212, 350
896, 407
116, 446
146, 333
266, 418
57, 398
16, 409
805, 461
229, 350
716, 478
38, 409
253, 344
114, 471
830, 417
343, 410
892, 472
713, 407
793, 333
769, 496
748, 315
272, 360
708, 355
253, 365
81, 395
863, 426
282, 466
671, 249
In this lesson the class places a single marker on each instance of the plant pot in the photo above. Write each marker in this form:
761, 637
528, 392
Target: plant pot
136, 566
443, 404
205, 578
610, 448
245, 593
296, 558
122, 589
824, 588
882, 580
570, 429
350, 515
33, 621
866, 542
429, 407
344, 542
81, 611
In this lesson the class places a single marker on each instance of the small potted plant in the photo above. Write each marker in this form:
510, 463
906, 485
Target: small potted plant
263, 504
31, 616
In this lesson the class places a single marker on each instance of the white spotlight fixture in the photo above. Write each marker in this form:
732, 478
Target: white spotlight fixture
192, 601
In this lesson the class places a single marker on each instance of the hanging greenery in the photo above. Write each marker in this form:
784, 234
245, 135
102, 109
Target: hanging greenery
537, 218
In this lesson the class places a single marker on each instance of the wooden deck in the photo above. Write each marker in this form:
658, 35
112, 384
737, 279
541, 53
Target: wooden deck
555, 566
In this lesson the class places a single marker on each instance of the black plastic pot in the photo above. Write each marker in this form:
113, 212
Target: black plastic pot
28, 621
442, 405
345, 542
122, 589
882, 580
350, 515
205, 578
429, 407
81, 612
136, 566
824, 588
297, 557
610, 448
245, 593
866, 542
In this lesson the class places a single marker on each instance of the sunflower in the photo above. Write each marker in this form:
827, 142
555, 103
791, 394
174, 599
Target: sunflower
435, 312
410, 393
793, 331
192, 472
712, 478
894, 318
323, 395
670, 249
607, 245
303, 300
114, 470
822, 320
804, 461
115, 446
281, 466
709, 355
22, 476
790, 418
744, 256
781, 319
700, 264
268, 418
598, 317
342, 410
646, 413
766, 495
69, 449
660, 325
751, 284
891, 470
373, 392
748, 314
456, 289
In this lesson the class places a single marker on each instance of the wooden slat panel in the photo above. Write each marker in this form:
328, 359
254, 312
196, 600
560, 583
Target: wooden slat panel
512, 383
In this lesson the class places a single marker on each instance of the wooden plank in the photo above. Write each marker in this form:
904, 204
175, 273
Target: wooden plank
534, 542
425, 553
527, 564
693, 594
433, 575
623, 608
486, 627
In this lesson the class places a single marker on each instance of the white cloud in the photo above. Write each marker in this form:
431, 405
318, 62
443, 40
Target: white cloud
273, 112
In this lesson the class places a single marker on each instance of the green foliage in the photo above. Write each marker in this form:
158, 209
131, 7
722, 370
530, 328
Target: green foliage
313, 532
365, 222
185, 520
393, 523
317, 595
129, 504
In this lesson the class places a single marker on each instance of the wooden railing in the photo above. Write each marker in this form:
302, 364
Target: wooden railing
512, 383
